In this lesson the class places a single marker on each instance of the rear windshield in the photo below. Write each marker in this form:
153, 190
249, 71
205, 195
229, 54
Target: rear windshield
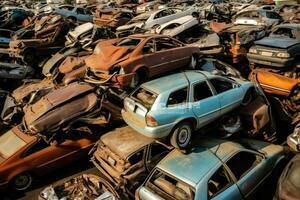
10, 143
169, 187
146, 98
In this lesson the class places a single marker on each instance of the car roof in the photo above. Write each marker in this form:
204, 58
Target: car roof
125, 141
167, 83
192, 167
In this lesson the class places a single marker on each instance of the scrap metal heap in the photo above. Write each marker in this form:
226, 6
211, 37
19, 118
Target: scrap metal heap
64, 79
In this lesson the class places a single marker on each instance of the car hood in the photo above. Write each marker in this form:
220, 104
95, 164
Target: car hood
282, 43
106, 56
130, 26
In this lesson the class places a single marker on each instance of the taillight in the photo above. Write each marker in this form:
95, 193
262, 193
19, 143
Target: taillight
150, 121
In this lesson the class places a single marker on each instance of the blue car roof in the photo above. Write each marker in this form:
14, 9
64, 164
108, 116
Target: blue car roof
189, 168
192, 167
174, 81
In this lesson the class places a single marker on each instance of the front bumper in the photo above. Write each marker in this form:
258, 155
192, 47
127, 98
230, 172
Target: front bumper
158, 132
123, 80
270, 61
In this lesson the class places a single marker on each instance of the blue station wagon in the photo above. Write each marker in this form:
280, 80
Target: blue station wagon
178, 104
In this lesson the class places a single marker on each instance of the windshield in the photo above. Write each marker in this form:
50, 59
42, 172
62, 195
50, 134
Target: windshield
10, 143
139, 19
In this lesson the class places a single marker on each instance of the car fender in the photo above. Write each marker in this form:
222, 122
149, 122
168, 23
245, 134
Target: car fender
190, 119
17, 171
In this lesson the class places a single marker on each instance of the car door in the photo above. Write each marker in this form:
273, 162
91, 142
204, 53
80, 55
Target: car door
152, 60
228, 93
43, 157
221, 186
169, 54
206, 106
250, 170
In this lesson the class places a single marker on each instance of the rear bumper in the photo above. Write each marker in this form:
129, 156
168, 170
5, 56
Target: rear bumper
270, 61
152, 132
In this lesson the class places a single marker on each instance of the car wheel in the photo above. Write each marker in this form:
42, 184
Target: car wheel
181, 136
22, 181
249, 96
194, 62
230, 124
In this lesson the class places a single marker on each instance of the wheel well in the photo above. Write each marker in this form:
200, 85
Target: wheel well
142, 72
12, 177
190, 120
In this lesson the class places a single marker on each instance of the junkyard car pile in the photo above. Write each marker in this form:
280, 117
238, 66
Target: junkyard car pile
180, 99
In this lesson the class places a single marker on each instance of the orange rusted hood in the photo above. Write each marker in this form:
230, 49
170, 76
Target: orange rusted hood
275, 83
106, 55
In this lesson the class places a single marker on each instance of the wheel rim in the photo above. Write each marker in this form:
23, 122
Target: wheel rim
184, 136
22, 182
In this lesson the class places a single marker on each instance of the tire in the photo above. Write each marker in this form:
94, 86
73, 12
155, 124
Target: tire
249, 96
194, 62
230, 124
182, 135
22, 181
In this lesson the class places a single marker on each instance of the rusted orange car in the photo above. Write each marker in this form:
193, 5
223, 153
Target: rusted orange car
23, 157
130, 61
274, 83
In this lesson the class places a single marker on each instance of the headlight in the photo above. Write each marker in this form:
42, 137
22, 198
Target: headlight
252, 50
283, 55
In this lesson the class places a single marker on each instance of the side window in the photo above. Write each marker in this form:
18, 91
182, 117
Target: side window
241, 162
41, 144
201, 91
149, 47
165, 44
168, 187
161, 14
219, 181
284, 32
158, 149
80, 11
137, 157
272, 15
221, 85
178, 97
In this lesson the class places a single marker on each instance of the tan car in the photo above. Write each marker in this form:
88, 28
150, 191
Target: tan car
23, 157
130, 61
